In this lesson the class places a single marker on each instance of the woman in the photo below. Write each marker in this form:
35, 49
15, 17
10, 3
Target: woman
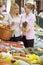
15, 23
13, 20
28, 31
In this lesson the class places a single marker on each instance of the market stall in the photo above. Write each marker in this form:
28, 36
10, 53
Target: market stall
14, 53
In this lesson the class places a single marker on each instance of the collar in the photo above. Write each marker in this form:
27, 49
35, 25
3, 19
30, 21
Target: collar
28, 14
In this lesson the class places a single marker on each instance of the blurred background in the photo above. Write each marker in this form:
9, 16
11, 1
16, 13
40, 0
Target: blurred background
38, 3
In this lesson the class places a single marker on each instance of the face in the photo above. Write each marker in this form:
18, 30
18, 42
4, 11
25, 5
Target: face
27, 10
16, 10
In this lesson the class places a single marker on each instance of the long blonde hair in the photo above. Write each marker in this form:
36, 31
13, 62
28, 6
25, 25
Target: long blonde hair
12, 9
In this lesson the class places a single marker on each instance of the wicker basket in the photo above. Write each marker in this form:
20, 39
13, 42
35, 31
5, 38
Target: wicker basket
5, 34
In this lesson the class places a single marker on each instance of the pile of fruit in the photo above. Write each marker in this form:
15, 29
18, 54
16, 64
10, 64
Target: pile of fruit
33, 58
30, 58
7, 58
16, 53
5, 27
13, 58
11, 46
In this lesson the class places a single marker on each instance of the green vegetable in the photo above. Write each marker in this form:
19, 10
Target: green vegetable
25, 24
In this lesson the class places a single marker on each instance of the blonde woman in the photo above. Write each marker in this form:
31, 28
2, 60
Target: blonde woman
13, 20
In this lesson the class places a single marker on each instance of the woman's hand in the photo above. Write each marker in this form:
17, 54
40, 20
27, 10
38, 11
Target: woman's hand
27, 29
23, 29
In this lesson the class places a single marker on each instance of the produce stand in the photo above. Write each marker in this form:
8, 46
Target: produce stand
14, 53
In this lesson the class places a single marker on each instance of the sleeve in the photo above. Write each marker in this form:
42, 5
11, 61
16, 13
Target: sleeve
21, 20
5, 21
31, 22
9, 19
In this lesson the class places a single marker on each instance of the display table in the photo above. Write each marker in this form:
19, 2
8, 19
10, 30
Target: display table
14, 53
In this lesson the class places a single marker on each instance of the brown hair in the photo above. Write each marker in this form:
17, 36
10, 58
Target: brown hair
33, 8
12, 9
29, 5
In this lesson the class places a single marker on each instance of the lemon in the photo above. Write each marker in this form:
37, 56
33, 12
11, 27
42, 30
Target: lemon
36, 61
33, 57
8, 59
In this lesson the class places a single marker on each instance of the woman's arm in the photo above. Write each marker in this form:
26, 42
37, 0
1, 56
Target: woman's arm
10, 20
30, 24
